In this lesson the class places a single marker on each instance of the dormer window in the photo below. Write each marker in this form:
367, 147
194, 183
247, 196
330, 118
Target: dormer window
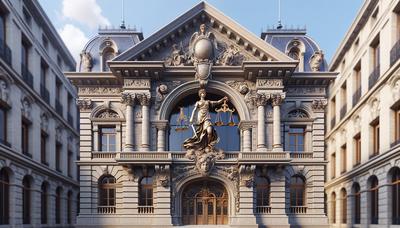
294, 53
108, 54
108, 50
295, 49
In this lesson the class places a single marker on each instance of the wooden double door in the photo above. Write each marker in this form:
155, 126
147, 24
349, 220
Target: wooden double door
205, 203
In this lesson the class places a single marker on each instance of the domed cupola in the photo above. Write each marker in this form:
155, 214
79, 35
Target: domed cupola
297, 45
106, 45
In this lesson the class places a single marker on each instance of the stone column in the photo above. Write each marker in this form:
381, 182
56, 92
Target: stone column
277, 100
246, 131
261, 101
144, 100
129, 100
161, 127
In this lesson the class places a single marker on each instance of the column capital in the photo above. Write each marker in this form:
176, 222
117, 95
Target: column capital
277, 98
246, 124
128, 98
144, 98
260, 99
160, 124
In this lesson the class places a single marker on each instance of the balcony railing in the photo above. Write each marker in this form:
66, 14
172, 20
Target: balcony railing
27, 75
5, 52
301, 155
104, 155
59, 107
395, 53
373, 77
44, 93
298, 210
356, 96
333, 122
145, 209
106, 210
343, 111
70, 119
263, 210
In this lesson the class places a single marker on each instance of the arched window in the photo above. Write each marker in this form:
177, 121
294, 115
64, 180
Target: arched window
4, 196
374, 200
146, 195
344, 205
294, 53
108, 54
43, 203
396, 196
26, 200
297, 194
180, 129
263, 191
58, 205
357, 203
333, 207
69, 207
107, 187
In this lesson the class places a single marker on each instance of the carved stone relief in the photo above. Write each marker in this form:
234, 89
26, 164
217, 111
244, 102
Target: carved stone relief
297, 114
374, 108
108, 114
98, 90
161, 92
86, 61
247, 175
44, 122
230, 56
163, 175
316, 61
59, 132
319, 105
137, 83
4, 91
312, 91
269, 83
26, 107
84, 104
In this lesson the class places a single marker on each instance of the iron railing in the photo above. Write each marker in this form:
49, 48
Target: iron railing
145, 209
263, 210
26, 75
44, 93
5, 52
356, 96
106, 209
298, 210
395, 53
373, 77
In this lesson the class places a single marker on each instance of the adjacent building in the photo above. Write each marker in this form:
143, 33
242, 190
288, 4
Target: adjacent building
363, 135
147, 159
38, 121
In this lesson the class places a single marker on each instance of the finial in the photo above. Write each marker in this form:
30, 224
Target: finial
122, 26
279, 16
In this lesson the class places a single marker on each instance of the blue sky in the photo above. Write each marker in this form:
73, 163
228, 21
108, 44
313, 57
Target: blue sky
326, 20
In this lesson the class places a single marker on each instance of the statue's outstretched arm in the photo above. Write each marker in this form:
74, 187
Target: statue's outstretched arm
193, 112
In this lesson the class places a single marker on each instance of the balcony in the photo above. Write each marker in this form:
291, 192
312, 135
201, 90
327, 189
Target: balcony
44, 93
146, 210
263, 210
298, 210
59, 107
343, 111
333, 122
301, 155
356, 96
395, 53
106, 210
373, 77
26, 75
5, 52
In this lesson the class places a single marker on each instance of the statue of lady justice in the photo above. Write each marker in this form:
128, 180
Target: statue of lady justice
205, 136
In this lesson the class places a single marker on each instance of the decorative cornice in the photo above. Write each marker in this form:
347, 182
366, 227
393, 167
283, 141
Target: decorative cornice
144, 98
277, 98
84, 104
128, 98
319, 105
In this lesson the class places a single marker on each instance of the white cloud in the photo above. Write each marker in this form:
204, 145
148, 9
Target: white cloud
74, 38
87, 12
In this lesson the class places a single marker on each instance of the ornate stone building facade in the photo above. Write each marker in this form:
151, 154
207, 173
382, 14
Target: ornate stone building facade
202, 123
39, 134
363, 178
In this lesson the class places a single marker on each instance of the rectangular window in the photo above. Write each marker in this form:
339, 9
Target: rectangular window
24, 54
43, 145
296, 139
375, 137
333, 165
3, 125
357, 84
27, 16
107, 138
58, 156
2, 28
396, 126
45, 42
343, 156
25, 137
343, 93
69, 167
357, 149
376, 54
333, 112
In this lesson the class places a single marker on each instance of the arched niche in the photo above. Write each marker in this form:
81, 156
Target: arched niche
295, 49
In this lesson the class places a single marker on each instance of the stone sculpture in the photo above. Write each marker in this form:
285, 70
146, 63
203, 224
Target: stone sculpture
316, 61
86, 61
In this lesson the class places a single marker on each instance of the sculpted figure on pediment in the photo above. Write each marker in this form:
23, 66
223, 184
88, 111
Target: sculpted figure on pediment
178, 57
231, 56
316, 61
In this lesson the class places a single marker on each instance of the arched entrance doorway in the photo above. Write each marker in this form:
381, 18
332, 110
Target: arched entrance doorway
205, 202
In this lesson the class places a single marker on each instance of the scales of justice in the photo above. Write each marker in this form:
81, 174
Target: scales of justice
201, 146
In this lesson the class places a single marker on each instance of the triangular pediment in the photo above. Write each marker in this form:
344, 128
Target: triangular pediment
233, 43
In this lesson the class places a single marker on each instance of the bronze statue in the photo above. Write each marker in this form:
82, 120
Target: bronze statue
205, 134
